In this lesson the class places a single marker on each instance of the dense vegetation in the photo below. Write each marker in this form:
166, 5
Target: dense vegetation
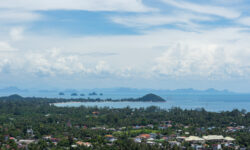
18, 114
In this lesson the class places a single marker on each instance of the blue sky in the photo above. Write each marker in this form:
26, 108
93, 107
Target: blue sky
161, 44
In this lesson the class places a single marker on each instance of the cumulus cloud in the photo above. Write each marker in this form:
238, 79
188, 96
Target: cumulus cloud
208, 61
54, 62
215, 54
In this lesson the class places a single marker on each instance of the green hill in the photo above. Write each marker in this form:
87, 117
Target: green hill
151, 98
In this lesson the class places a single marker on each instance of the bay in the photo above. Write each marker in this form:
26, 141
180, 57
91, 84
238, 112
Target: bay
215, 103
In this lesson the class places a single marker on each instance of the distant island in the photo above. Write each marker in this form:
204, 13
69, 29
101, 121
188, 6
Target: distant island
151, 98
93, 94
74, 94
146, 98
61, 93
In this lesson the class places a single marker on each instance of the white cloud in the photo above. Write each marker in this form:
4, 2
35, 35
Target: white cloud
244, 21
16, 16
209, 61
54, 62
215, 54
159, 19
6, 47
220, 53
16, 33
89, 5
206, 9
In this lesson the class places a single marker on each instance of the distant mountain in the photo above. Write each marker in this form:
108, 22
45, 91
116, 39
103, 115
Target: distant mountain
208, 91
12, 89
123, 89
190, 90
47, 91
151, 98
70, 91
177, 91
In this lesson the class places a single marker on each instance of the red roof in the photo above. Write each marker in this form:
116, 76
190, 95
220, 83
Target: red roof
146, 136
108, 136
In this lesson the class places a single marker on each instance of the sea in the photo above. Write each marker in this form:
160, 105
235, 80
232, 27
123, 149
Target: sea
214, 103
210, 102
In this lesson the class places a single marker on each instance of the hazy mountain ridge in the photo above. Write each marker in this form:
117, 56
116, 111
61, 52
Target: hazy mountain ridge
12, 89
15, 90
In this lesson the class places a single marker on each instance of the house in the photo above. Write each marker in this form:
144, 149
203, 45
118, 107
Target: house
47, 137
217, 147
229, 139
153, 135
84, 127
95, 112
197, 147
111, 129
150, 142
25, 142
138, 127
30, 132
150, 126
6, 137
137, 140
213, 138
74, 146
12, 138
54, 140
144, 136
194, 139
164, 138
110, 138
180, 138
150, 139
172, 143
86, 144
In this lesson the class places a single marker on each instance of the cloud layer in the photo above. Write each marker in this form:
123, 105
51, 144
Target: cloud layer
171, 40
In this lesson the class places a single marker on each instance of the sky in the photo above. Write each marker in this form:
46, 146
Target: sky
158, 44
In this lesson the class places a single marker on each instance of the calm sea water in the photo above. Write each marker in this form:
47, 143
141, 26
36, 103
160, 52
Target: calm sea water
209, 102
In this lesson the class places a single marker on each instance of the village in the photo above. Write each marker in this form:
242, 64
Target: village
177, 135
